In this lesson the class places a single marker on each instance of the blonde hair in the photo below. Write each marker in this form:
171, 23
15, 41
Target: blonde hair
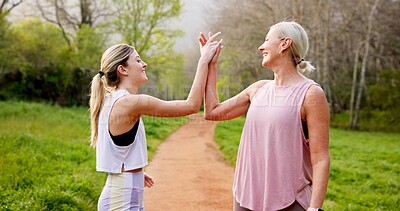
299, 46
105, 82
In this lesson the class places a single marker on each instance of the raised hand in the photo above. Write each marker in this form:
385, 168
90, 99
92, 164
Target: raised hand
208, 48
203, 41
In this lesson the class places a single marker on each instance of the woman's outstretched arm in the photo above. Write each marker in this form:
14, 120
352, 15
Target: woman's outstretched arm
148, 105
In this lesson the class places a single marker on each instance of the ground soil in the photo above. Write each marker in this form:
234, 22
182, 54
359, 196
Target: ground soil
189, 172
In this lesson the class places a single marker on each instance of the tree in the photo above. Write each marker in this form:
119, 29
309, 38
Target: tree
6, 6
142, 24
337, 32
140, 21
364, 64
71, 16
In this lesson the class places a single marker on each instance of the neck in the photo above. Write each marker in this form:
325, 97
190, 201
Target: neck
129, 87
286, 74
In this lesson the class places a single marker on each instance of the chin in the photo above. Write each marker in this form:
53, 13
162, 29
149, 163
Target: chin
264, 64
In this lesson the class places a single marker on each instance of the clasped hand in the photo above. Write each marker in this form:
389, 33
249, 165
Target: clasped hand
209, 49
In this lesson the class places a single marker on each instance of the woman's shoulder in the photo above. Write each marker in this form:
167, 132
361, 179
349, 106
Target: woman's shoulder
315, 95
254, 87
259, 84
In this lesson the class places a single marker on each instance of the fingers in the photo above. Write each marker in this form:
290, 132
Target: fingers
217, 52
202, 39
211, 39
148, 181
220, 43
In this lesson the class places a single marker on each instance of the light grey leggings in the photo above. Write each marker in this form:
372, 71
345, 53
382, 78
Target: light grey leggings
294, 207
123, 191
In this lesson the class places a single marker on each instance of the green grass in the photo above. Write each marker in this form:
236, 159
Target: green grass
369, 120
365, 166
46, 162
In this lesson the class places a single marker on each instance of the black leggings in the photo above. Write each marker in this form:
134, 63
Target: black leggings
294, 207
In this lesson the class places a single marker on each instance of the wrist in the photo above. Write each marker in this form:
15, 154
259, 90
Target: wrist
212, 65
203, 61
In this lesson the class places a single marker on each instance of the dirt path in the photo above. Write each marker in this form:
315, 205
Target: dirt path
189, 172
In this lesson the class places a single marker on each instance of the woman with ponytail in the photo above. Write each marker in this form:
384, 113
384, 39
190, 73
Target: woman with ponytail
117, 129
283, 157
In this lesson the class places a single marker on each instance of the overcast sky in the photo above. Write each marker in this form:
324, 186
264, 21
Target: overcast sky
195, 18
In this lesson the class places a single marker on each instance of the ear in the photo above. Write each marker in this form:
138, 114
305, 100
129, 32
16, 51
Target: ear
121, 70
286, 44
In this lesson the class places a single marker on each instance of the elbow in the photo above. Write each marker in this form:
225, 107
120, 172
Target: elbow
208, 117
192, 106
193, 109
211, 117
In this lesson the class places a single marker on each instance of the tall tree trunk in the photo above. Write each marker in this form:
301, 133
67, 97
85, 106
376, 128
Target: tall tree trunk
364, 66
354, 84
325, 68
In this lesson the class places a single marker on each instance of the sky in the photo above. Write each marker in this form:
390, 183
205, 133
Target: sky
194, 18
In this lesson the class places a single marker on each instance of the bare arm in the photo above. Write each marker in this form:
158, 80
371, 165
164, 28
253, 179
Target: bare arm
231, 108
317, 117
148, 105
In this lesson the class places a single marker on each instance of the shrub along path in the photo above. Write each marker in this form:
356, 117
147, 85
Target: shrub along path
189, 171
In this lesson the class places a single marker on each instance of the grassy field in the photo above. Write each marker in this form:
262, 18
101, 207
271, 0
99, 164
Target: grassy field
46, 162
365, 166
369, 121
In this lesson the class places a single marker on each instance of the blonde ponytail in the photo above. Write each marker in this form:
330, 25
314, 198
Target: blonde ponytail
305, 66
105, 82
97, 94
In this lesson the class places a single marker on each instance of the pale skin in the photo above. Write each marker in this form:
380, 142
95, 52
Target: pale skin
315, 109
128, 109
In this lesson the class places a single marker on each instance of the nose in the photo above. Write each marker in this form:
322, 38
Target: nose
261, 48
144, 64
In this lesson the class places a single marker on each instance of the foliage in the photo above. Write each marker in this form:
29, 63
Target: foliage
142, 25
364, 166
385, 94
55, 60
90, 44
5, 39
38, 64
46, 162
332, 28
39, 45
45, 68
370, 120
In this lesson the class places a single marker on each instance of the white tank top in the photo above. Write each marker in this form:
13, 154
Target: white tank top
110, 157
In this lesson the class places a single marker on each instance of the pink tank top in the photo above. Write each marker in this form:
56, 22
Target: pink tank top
273, 167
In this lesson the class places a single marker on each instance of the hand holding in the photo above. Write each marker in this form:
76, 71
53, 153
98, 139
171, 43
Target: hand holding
208, 48
203, 41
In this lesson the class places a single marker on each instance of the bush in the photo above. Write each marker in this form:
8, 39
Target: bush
43, 67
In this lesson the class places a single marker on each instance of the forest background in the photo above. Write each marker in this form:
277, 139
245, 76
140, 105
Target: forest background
53, 52
49, 54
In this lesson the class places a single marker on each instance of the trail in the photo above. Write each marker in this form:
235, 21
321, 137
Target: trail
189, 172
